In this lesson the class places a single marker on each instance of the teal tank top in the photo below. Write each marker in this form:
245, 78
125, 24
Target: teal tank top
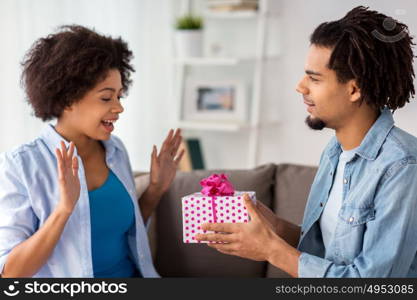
112, 215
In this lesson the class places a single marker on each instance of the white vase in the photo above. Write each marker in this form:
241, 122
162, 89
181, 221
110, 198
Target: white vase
188, 43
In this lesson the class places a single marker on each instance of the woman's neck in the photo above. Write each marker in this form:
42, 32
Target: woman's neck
86, 146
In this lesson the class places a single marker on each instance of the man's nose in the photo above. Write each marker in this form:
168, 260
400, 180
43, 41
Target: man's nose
301, 88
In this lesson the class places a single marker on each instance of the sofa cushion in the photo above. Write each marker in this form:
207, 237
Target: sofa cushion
174, 258
292, 186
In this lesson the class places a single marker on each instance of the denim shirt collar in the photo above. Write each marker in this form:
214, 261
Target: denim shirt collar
373, 140
53, 139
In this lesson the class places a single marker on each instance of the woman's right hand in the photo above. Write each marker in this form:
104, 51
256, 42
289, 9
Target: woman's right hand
69, 183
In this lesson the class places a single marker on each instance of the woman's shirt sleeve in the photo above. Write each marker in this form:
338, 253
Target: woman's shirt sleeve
17, 219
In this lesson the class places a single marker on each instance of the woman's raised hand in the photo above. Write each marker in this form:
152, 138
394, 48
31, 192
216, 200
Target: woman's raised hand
69, 183
164, 165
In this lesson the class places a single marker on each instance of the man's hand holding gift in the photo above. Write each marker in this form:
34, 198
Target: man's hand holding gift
247, 240
256, 239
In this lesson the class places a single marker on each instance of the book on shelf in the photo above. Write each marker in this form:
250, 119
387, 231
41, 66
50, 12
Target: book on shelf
193, 156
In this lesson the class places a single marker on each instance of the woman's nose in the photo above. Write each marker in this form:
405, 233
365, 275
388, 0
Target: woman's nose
118, 108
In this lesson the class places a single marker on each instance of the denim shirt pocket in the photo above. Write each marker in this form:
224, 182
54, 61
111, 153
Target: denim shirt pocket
349, 233
355, 216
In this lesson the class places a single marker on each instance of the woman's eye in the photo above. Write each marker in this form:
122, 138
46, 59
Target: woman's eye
110, 99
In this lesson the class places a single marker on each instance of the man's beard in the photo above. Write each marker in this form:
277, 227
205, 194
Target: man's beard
315, 123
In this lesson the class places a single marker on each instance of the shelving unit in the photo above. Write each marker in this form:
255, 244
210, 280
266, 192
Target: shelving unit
259, 58
211, 61
231, 15
201, 125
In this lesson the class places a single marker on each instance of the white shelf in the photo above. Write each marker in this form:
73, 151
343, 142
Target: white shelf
219, 61
223, 126
250, 14
229, 2
211, 61
212, 126
258, 18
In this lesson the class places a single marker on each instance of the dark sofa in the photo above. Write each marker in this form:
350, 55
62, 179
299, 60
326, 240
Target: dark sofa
284, 188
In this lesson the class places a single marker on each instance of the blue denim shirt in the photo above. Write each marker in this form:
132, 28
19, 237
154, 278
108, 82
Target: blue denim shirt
376, 231
29, 193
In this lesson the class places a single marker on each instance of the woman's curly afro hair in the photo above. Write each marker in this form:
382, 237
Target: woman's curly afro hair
61, 68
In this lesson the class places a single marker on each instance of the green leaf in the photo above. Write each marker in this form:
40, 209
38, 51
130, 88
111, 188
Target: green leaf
189, 22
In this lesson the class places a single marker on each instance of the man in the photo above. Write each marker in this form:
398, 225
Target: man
361, 215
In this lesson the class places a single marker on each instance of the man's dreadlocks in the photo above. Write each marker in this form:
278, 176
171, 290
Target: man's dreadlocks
373, 49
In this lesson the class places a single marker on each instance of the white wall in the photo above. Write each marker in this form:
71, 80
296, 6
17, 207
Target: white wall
144, 24
150, 108
291, 141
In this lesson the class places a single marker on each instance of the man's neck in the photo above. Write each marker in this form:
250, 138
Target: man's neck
351, 134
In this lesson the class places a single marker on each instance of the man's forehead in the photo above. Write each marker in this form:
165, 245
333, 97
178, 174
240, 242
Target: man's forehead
317, 59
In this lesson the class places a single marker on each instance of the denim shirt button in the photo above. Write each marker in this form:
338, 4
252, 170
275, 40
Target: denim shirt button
345, 181
351, 219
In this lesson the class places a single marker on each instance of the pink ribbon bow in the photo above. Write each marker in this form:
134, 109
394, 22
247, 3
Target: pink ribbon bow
217, 185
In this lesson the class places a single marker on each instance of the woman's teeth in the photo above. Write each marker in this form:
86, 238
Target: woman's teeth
108, 122
108, 125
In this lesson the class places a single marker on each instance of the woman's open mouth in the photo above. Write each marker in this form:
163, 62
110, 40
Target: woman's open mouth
108, 124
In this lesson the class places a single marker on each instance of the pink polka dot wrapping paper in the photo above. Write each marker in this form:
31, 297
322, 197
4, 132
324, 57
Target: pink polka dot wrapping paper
198, 209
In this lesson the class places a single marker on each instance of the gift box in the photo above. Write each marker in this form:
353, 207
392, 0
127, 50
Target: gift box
216, 203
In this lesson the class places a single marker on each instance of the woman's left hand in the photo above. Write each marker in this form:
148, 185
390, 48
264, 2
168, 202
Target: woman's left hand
164, 165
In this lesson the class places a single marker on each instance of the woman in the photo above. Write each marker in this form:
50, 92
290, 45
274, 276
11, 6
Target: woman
68, 206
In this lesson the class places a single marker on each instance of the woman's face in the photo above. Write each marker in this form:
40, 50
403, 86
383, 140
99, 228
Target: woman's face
94, 115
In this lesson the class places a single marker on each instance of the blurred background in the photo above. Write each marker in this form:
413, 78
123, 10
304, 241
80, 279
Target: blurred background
226, 74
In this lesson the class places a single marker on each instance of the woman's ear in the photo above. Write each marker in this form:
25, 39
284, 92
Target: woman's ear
354, 91
69, 108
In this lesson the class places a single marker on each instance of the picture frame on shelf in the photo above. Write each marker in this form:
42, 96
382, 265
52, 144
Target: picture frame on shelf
219, 101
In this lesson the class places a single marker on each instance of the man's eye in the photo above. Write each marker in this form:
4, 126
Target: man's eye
313, 79
106, 99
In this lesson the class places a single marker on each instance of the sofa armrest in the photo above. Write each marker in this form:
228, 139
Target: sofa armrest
142, 182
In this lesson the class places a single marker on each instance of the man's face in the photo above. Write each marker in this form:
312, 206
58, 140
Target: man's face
328, 101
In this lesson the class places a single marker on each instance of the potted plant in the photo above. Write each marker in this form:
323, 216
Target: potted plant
189, 36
